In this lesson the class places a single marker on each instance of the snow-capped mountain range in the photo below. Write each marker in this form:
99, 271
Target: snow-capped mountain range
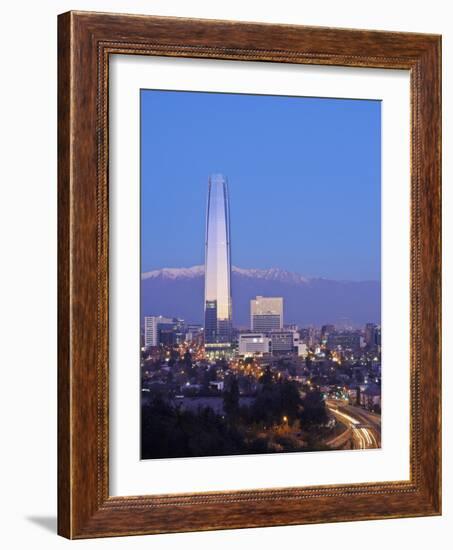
178, 292
271, 274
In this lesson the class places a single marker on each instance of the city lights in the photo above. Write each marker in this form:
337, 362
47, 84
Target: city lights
268, 387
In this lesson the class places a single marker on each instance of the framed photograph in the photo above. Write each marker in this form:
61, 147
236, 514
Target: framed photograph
249, 275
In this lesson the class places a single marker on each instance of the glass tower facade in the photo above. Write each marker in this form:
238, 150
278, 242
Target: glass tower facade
217, 294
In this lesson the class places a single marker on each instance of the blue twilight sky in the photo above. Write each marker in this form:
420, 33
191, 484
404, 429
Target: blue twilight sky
304, 179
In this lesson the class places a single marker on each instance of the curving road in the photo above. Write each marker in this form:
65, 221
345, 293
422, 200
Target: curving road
363, 428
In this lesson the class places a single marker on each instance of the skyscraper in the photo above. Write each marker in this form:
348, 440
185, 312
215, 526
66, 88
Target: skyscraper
266, 314
217, 295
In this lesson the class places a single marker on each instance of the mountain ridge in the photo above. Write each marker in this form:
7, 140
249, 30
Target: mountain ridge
178, 292
272, 273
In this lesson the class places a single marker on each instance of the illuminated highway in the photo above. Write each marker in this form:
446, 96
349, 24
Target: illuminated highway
363, 428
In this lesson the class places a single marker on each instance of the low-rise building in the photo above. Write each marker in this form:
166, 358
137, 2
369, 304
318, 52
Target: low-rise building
282, 341
302, 350
254, 344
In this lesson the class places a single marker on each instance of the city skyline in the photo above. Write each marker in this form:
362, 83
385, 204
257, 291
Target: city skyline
274, 150
217, 272
249, 361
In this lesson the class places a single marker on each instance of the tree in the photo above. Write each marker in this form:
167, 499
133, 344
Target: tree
275, 401
314, 410
188, 365
290, 401
231, 400
266, 379
188, 359
174, 356
359, 377
169, 431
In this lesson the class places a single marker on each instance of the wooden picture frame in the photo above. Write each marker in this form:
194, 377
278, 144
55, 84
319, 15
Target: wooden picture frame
85, 42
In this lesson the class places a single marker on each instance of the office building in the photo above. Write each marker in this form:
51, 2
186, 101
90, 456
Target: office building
266, 314
255, 343
193, 332
282, 341
152, 325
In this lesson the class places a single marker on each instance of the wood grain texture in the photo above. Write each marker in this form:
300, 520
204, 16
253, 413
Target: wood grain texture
86, 40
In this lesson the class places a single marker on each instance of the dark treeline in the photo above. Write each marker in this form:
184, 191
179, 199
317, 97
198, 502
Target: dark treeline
170, 431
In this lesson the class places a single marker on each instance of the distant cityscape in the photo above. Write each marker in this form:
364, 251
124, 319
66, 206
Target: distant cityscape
216, 389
